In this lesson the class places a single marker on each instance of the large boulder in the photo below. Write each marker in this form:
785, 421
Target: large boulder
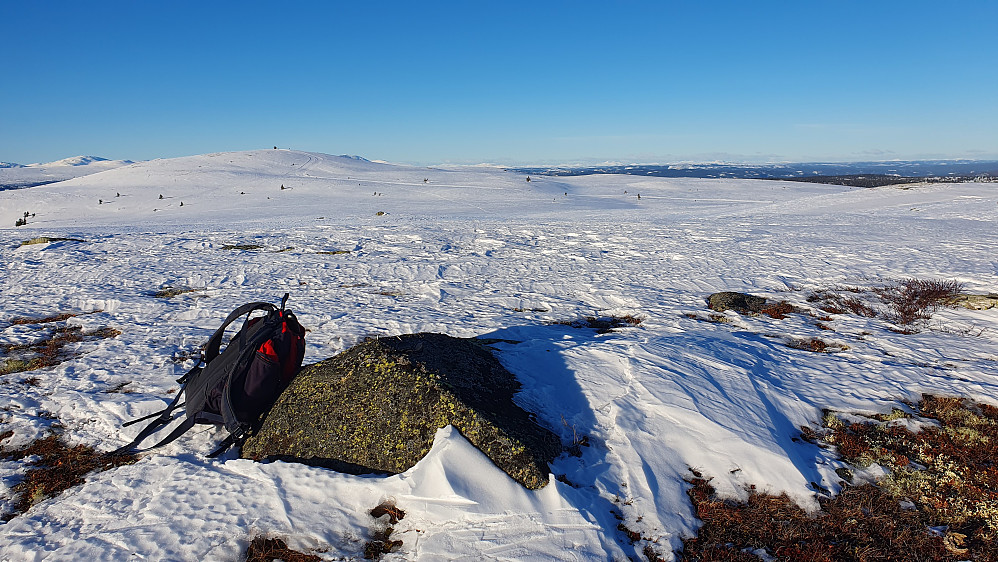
376, 407
739, 302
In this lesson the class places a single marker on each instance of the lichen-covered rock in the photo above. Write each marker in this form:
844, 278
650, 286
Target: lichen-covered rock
376, 407
976, 302
739, 302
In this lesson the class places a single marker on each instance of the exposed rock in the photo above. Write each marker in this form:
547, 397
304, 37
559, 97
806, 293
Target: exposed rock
739, 302
976, 302
377, 406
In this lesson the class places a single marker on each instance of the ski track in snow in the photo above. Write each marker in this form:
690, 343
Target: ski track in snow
459, 254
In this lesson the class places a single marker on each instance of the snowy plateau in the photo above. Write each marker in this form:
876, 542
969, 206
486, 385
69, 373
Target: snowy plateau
373, 249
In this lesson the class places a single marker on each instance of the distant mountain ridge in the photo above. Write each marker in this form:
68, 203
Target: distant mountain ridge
20, 176
906, 168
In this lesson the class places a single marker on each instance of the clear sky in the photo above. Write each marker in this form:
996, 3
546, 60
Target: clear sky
502, 82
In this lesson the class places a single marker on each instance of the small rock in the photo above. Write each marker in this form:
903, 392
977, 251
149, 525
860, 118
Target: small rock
739, 302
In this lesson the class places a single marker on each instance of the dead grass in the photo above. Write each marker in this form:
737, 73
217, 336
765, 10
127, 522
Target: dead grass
939, 503
47, 239
57, 468
22, 320
50, 350
263, 549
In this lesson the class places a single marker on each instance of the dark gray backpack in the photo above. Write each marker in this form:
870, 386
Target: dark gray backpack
235, 386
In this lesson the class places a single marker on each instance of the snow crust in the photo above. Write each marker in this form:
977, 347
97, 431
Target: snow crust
475, 252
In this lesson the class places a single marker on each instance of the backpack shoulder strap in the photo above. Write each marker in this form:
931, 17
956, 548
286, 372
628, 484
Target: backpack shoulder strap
211, 348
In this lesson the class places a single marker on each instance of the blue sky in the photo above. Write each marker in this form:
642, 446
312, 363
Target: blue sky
502, 82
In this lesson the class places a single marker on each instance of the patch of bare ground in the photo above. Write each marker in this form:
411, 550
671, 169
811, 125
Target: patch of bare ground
387, 514
938, 503
54, 467
263, 549
50, 349
602, 324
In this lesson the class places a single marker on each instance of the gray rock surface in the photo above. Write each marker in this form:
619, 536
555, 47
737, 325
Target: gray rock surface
739, 302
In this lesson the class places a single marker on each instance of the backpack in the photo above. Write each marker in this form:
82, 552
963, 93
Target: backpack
234, 387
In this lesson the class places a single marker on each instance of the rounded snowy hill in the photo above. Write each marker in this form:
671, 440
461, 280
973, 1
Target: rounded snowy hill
291, 186
17, 176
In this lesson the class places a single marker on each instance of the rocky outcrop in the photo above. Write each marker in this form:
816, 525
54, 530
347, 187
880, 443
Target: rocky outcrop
377, 406
739, 302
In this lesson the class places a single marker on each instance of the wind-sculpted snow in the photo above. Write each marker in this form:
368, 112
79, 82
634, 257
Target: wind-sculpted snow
476, 253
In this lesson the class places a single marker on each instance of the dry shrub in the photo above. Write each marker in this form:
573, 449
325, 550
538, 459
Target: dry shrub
912, 300
834, 303
262, 549
57, 468
905, 302
861, 523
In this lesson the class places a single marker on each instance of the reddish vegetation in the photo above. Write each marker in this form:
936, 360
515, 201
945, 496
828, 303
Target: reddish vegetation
861, 523
941, 478
778, 310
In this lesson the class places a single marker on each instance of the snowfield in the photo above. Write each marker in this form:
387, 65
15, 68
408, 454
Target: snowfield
370, 249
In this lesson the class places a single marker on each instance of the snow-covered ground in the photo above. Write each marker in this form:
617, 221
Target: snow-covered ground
475, 252
15, 176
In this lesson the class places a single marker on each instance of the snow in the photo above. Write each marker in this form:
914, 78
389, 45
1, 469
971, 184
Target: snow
15, 176
475, 252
